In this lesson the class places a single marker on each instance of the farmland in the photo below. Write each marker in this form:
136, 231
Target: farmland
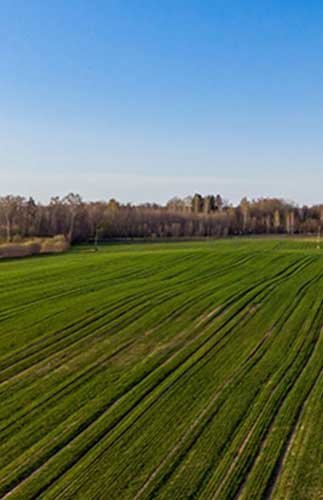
179, 370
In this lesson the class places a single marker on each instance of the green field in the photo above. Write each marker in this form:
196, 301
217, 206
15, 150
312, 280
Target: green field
180, 370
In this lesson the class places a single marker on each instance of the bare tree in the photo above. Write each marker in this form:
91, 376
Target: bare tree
73, 203
11, 207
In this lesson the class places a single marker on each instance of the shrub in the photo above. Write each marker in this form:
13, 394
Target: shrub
12, 250
57, 244
17, 238
32, 247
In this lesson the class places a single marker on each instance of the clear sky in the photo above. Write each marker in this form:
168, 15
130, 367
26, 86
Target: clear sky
142, 99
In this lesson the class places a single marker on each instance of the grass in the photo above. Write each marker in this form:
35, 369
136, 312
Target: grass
180, 370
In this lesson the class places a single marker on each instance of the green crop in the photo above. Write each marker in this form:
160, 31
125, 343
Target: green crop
163, 370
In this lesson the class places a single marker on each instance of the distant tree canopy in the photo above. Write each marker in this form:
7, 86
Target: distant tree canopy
192, 216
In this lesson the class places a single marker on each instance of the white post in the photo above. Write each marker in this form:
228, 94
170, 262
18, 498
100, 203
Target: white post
318, 246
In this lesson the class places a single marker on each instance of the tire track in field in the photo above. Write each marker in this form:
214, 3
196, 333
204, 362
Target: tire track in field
66, 342
166, 320
289, 272
290, 439
12, 312
235, 374
104, 284
220, 271
187, 433
64, 389
51, 292
90, 321
203, 294
207, 409
272, 417
98, 414
181, 309
307, 361
12, 358
277, 327
63, 332
166, 295
93, 421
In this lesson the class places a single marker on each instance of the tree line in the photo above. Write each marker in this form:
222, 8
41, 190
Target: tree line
192, 216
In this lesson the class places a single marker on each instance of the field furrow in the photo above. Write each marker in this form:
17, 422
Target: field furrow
189, 370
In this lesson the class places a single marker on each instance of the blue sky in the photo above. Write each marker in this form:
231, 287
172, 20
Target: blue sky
143, 100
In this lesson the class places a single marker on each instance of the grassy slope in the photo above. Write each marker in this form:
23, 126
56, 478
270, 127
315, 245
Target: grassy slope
183, 370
